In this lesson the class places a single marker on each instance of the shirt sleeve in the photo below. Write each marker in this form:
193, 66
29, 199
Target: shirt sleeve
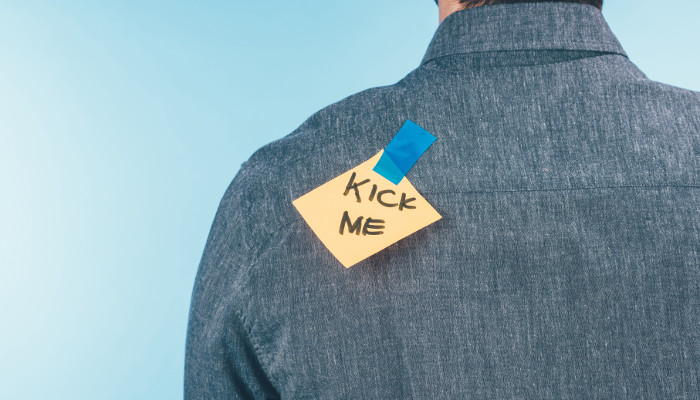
221, 361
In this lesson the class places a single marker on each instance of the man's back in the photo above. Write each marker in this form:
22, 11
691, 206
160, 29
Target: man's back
566, 264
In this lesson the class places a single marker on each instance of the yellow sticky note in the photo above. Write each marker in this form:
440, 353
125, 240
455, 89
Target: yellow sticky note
359, 213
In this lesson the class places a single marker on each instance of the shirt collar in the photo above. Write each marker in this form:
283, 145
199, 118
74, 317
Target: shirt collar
523, 26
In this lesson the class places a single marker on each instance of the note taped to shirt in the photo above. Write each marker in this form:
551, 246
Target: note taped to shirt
360, 212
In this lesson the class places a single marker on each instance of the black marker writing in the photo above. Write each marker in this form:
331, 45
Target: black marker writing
379, 198
404, 202
369, 224
374, 191
352, 226
371, 227
383, 197
353, 186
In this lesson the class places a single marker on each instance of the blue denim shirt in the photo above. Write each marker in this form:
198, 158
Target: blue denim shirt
566, 264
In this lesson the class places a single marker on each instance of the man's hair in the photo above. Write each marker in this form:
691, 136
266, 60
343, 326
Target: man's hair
476, 3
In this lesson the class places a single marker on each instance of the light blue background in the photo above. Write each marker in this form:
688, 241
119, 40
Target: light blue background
123, 122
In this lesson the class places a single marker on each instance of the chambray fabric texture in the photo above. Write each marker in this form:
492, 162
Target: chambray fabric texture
566, 265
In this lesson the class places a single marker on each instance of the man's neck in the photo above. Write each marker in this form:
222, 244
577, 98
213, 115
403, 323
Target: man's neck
448, 7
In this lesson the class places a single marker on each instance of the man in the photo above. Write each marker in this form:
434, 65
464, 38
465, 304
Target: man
566, 263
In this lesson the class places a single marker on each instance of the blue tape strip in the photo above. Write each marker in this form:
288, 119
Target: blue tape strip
403, 151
